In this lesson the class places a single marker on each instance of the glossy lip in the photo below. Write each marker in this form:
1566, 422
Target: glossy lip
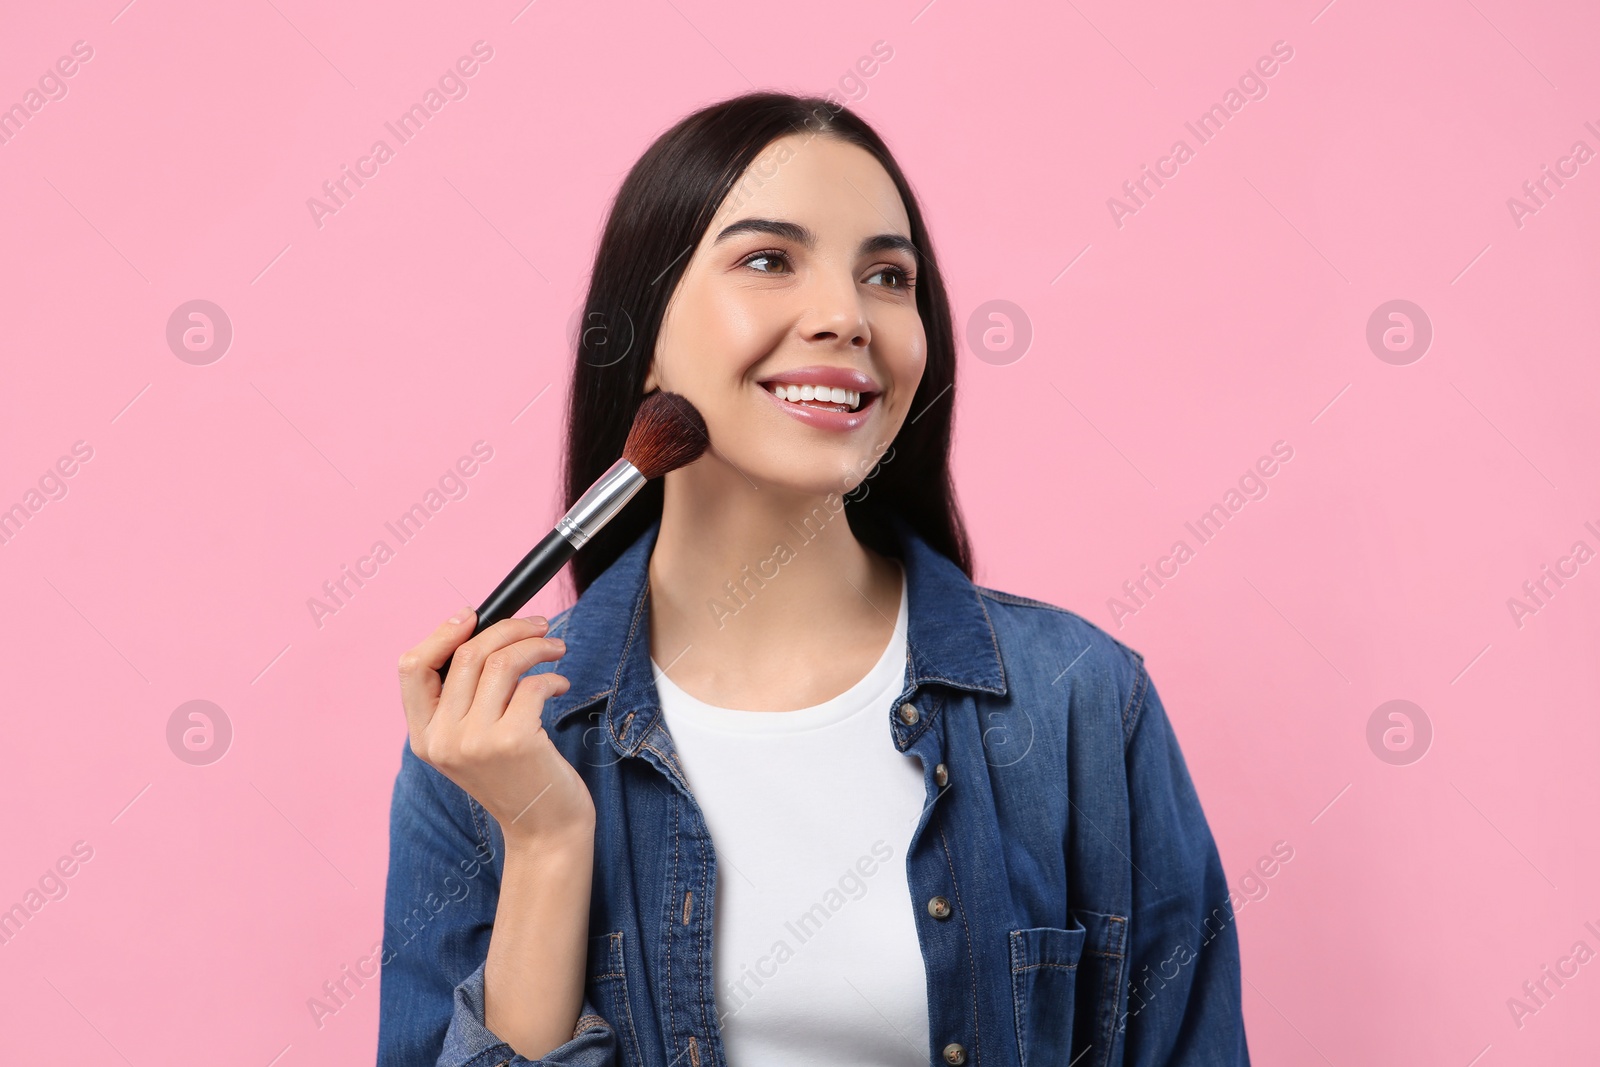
818, 417
833, 378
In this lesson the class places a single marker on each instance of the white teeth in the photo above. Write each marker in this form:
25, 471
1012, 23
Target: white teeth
819, 393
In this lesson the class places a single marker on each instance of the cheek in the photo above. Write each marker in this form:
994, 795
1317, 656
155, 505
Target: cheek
906, 359
714, 331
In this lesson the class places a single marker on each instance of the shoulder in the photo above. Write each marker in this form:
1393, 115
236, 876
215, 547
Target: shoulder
1052, 625
1048, 650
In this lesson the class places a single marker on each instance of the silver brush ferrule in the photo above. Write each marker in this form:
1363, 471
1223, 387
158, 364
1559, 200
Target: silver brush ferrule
607, 496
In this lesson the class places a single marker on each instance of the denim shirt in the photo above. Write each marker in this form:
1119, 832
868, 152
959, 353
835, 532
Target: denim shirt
1068, 897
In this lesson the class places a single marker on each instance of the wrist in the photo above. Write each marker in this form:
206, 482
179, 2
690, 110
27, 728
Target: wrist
568, 846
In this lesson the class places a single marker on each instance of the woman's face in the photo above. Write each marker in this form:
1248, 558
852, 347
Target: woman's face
802, 282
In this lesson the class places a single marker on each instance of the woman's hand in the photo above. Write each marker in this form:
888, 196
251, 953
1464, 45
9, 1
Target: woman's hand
485, 733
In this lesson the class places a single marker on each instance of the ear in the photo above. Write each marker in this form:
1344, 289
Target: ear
651, 382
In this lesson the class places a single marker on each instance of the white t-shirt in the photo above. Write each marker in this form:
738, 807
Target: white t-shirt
815, 951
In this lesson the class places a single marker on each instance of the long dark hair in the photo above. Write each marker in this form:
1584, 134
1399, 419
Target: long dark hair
658, 217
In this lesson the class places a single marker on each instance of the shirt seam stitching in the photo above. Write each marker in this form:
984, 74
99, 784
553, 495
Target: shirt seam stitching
977, 1044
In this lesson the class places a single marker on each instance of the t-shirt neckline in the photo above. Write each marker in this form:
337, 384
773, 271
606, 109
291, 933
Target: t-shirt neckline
885, 676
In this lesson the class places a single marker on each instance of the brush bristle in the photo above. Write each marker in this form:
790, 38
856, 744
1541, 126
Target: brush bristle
667, 433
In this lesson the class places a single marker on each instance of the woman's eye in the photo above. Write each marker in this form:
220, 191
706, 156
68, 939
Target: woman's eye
767, 258
899, 278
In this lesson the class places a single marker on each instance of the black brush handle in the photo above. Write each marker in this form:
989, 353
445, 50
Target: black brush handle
528, 577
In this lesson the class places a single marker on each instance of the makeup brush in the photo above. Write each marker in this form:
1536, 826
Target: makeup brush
667, 433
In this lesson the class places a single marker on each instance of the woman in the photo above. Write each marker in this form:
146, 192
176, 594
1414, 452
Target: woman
928, 822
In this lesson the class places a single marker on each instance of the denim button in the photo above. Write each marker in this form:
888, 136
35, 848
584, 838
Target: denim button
909, 714
941, 776
954, 1053
939, 908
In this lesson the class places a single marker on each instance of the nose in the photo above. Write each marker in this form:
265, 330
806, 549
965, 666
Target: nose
835, 314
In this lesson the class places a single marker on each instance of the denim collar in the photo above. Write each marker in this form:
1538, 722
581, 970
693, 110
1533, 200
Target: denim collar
950, 638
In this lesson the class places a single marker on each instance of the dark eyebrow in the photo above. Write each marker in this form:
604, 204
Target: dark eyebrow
793, 231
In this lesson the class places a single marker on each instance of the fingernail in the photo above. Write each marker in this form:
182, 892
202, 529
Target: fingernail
461, 616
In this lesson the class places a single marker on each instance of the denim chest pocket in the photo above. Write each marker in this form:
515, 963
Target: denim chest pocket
608, 992
1064, 990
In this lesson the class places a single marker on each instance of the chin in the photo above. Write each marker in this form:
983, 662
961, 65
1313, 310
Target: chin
814, 476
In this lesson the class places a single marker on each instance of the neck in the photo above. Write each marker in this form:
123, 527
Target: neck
761, 599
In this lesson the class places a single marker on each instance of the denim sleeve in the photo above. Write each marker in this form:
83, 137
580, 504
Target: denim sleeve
438, 913
1184, 1001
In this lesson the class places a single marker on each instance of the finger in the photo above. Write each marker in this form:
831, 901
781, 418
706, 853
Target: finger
504, 668
528, 700
419, 667
467, 664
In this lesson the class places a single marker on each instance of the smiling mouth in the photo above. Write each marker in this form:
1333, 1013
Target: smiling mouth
820, 397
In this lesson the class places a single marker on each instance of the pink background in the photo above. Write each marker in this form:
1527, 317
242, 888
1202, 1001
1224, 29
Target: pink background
1228, 313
